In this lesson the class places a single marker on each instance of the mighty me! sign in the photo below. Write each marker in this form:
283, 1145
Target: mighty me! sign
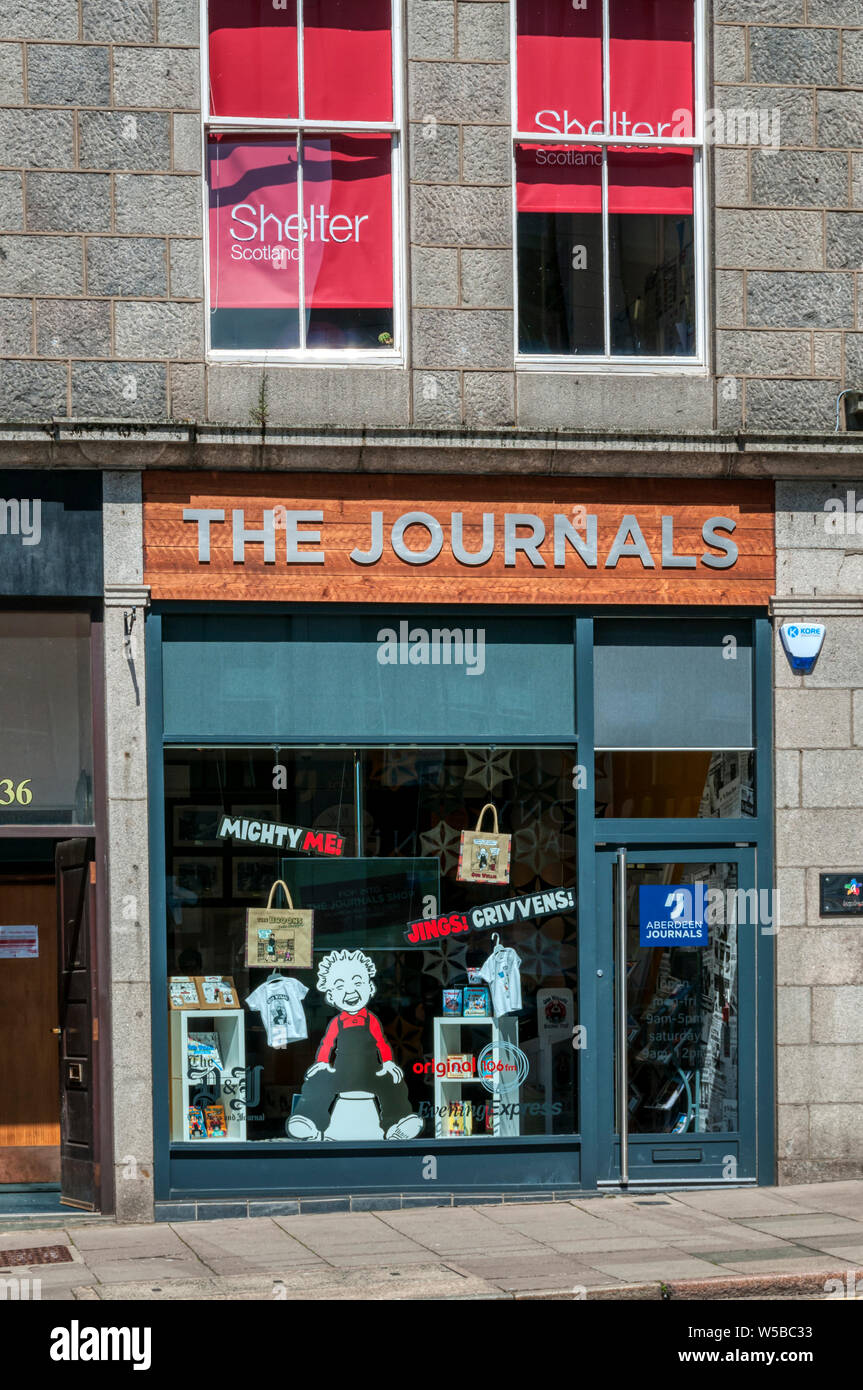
672, 914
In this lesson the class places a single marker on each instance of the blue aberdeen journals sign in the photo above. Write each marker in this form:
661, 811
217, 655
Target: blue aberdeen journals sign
672, 914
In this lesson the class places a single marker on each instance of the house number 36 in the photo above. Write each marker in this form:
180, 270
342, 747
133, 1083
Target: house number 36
9, 793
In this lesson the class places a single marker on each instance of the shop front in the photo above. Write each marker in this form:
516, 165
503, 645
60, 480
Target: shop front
52, 952
460, 799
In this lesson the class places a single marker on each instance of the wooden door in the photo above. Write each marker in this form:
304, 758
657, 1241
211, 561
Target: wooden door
79, 1170
30, 1097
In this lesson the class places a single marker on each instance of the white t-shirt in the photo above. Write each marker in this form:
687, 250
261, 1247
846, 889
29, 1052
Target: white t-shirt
279, 1002
502, 973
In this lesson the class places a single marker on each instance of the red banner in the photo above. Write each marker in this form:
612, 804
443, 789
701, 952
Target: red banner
651, 66
559, 66
347, 56
346, 240
253, 58
658, 182
559, 57
558, 178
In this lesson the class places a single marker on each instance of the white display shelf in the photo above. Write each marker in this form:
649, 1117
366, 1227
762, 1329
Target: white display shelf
447, 1043
229, 1026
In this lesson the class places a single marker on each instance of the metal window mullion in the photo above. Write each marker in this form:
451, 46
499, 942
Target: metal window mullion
606, 124
253, 124
620, 1019
584, 137
301, 239
301, 73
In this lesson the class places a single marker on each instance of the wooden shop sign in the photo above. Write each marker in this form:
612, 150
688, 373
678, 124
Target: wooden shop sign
457, 539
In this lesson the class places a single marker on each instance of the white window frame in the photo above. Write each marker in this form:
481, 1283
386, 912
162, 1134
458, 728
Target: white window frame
299, 127
695, 365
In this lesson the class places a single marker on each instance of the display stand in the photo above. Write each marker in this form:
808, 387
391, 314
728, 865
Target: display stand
229, 1026
447, 1043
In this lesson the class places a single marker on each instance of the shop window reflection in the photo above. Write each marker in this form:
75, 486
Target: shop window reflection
661, 783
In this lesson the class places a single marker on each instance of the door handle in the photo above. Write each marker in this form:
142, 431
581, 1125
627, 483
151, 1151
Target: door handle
56, 1032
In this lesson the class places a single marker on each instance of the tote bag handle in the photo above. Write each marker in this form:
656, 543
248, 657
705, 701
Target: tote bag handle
489, 806
280, 882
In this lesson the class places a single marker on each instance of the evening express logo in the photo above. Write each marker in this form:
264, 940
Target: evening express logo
265, 230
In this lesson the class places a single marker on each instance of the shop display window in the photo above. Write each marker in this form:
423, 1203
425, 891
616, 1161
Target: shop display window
688, 783
46, 719
362, 983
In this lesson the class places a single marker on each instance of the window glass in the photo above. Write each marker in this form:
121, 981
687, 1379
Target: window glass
559, 58
346, 241
673, 683
347, 58
651, 67
301, 225
254, 242
253, 58
660, 783
367, 1044
347, 203
613, 220
652, 254
46, 730
682, 1008
560, 258
371, 675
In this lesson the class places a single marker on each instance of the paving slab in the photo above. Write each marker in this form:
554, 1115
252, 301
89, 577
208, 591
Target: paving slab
740, 1203
814, 1224
396, 1281
183, 1290
132, 1240
843, 1249
545, 1213
18, 1239
649, 1264
56, 1276
245, 1244
590, 1244
333, 1237
451, 1231
531, 1272
773, 1264
735, 1239
353, 1256
156, 1268
821, 1193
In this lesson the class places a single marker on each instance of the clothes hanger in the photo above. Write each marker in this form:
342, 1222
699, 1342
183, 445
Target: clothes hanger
495, 936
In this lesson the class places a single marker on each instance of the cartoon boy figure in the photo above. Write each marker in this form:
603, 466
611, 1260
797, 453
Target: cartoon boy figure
354, 1056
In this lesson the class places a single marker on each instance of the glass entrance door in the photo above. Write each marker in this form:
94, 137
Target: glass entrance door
678, 933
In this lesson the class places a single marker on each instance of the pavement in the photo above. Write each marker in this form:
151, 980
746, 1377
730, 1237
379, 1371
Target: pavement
728, 1243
